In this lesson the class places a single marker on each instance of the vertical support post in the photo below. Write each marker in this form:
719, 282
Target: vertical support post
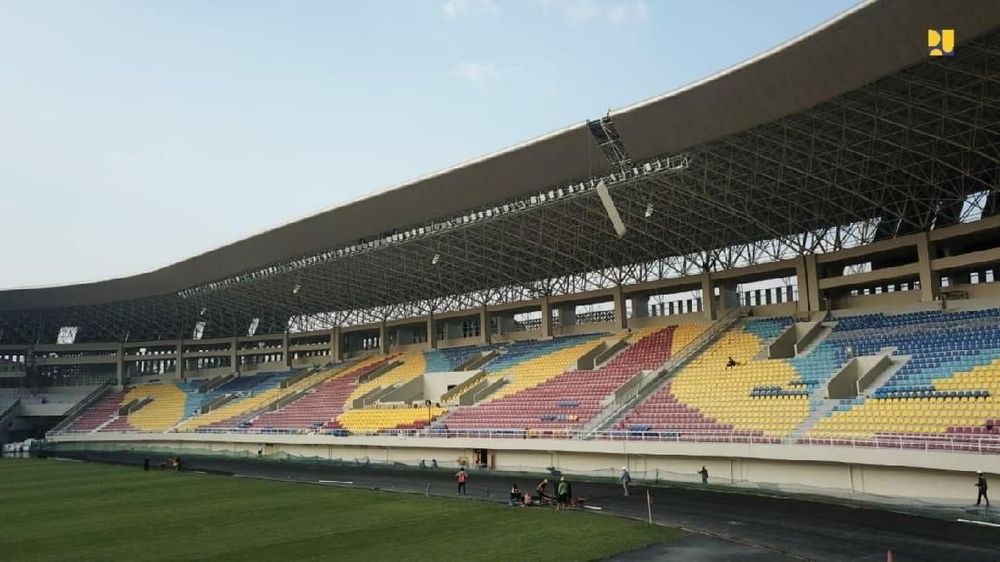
179, 361
812, 284
546, 318
336, 349
432, 333
930, 282
802, 280
485, 329
383, 338
120, 367
708, 296
621, 312
234, 357
287, 353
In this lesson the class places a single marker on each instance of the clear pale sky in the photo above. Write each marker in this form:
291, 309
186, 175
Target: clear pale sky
136, 134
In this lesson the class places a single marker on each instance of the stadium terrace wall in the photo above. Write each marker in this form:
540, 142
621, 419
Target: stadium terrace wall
890, 474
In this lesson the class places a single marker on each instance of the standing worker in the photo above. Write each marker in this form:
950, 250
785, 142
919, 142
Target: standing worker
540, 490
983, 486
562, 493
626, 478
704, 474
461, 476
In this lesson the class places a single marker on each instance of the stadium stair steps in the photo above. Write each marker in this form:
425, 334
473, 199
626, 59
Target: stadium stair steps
819, 410
608, 360
826, 328
106, 423
705, 400
236, 412
947, 389
898, 362
615, 411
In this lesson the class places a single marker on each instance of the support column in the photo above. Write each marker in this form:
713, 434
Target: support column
120, 367
812, 283
802, 305
621, 312
485, 328
546, 318
930, 282
708, 296
287, 354
336, 349
234, 357
179, 364
432, 333
383, 339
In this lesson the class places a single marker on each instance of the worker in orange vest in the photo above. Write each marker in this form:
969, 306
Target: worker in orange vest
461, 476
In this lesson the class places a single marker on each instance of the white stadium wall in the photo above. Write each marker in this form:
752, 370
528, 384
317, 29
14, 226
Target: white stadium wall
875, 474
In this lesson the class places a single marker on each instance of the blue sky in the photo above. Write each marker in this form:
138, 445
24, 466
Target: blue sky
135, 134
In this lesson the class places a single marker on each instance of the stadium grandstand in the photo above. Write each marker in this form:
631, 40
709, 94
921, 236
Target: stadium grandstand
788, 272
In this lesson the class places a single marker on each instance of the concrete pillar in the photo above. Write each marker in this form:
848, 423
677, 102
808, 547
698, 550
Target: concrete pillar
930, 281
432, 333
234, 356
383, 338
336, 353
640, 306
811, 292
708, 296
485, 328
120, 367
179, 364
286, 353
546, 318
621, 313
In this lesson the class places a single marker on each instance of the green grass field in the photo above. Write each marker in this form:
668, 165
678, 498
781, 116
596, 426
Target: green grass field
57, 510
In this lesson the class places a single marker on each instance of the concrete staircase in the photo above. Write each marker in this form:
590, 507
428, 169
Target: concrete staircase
105, 424
653, 381
898, 362
826, 328
825, 405
821, 411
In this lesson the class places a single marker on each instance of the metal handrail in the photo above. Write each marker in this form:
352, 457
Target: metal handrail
617, 407
955, 442
80, 406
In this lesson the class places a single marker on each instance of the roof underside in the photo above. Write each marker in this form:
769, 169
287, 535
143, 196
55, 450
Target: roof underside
892, 156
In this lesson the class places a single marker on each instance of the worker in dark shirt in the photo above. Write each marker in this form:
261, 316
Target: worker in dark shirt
983, 486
